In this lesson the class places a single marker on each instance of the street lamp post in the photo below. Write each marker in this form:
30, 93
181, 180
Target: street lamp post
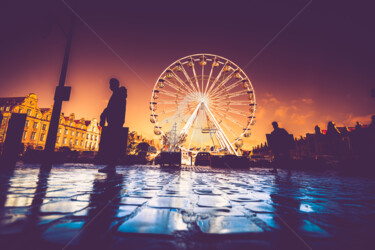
62, 93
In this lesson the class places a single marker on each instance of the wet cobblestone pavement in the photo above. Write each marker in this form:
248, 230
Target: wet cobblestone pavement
142, 207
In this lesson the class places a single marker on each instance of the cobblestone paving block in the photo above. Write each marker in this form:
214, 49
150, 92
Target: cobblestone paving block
213, 201
228, 225
64, 206
260, 207
154, 221
133, 201
169, 202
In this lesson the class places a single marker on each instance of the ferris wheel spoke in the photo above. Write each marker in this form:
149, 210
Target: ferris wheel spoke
230, 87
172, 85
188, 78
164, 112
180, 81
202, 75
231, 95
229, 129
233, 111
227, 117
222, 83
217, 77
196, 78
168, 93
226, 126
209, 77
167, 102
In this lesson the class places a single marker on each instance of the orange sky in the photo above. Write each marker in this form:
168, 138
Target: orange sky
315, 71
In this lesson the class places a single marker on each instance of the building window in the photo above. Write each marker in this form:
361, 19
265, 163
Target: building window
28, 112
71, 123
81, 143
27, 123
76, 142
24, 134
42, 137
92, 137
64, 140
88, 136
7, 108
72, 132
44, 127
70, 141
33, 136
59, 131
47, 117
35, 125
86, 144
58, 139
77, 134
96, 138
20, 111
83, 135
66, 131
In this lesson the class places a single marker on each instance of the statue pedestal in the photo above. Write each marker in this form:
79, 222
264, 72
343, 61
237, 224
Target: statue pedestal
113, 143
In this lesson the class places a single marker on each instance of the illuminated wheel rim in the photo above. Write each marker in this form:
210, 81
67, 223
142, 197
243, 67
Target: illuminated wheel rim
203, 102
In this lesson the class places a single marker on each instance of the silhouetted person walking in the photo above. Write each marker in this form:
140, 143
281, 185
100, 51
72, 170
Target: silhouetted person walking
113, 140
333, 139
281, 143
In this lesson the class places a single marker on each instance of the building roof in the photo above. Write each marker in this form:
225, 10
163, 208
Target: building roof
11, 101
43, 110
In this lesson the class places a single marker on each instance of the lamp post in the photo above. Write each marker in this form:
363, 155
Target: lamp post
62, 93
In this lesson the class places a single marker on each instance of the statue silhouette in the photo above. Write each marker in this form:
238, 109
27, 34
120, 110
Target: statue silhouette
114, 114
114, 137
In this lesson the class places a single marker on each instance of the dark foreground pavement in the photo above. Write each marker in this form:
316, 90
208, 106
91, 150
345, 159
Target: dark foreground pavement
73, 206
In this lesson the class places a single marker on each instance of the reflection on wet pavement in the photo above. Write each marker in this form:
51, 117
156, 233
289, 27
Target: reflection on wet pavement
75, 206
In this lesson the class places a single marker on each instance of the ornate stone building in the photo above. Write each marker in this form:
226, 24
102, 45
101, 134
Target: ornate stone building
82, 135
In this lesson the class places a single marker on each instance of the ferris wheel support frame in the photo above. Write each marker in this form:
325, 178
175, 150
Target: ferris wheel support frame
220, 132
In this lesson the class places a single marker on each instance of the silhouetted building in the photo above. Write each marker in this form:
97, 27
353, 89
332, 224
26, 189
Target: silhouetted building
76, 134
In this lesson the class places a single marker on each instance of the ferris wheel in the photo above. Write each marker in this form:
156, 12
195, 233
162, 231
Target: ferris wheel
203, 102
